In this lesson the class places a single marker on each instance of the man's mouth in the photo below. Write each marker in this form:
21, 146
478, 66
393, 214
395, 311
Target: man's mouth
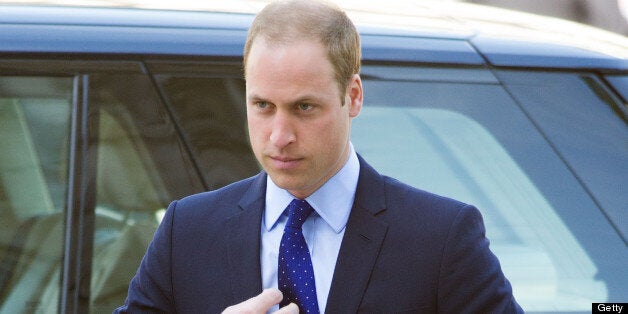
285, 162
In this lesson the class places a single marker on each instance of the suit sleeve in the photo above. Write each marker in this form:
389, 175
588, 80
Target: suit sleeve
471, 279
150, 290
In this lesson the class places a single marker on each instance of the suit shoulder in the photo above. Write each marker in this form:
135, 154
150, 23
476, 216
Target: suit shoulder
409, 205
217, 204
231, 191
399, 192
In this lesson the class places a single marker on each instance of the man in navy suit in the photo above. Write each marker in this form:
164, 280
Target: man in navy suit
376, 244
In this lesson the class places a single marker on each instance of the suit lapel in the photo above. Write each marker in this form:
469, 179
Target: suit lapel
361, 244
243, 247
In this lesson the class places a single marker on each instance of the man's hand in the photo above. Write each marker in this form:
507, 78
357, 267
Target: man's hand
261, 303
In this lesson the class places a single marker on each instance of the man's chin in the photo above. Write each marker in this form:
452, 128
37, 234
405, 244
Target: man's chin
288, 183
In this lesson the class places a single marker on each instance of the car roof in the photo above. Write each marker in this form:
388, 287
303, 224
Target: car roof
427, 32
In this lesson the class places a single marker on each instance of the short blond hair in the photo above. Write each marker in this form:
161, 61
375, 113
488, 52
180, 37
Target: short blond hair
284, 22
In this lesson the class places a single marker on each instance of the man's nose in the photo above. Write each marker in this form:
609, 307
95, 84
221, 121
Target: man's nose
282, 133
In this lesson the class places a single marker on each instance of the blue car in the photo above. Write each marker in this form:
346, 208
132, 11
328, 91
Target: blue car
108, 114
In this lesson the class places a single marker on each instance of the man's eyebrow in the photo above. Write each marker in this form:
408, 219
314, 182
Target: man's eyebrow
305, 98
256, 98
298, 100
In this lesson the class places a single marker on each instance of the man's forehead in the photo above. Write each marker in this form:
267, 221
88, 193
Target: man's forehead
283, 41
310, 54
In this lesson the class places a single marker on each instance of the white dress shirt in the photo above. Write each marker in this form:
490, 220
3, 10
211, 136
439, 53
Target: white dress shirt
323, 230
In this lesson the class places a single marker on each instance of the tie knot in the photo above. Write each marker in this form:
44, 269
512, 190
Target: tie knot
298, 210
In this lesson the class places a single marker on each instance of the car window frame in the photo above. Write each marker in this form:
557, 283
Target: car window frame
79, 212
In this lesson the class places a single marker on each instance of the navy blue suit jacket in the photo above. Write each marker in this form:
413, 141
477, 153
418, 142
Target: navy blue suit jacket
404, 250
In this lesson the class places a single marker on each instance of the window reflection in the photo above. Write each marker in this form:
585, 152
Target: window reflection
453, 155
34, 132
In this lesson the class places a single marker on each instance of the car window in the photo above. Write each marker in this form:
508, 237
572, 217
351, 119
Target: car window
141, 167
211, 111
34, 133
141, 164
578, 115
468, 139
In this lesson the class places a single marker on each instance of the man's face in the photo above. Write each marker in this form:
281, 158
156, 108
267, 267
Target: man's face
299, 128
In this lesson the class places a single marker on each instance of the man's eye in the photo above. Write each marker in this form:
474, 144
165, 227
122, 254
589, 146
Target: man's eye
262, 105
304, 106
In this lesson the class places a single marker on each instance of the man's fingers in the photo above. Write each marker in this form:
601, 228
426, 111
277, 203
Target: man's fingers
288, 309
260, 303
268, 298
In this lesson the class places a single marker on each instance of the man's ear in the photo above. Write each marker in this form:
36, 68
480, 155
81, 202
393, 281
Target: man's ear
355, 95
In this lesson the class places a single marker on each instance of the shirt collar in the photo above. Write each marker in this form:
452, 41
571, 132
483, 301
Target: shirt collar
332, 201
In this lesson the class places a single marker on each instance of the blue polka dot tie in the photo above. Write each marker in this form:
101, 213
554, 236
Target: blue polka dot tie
296, 275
